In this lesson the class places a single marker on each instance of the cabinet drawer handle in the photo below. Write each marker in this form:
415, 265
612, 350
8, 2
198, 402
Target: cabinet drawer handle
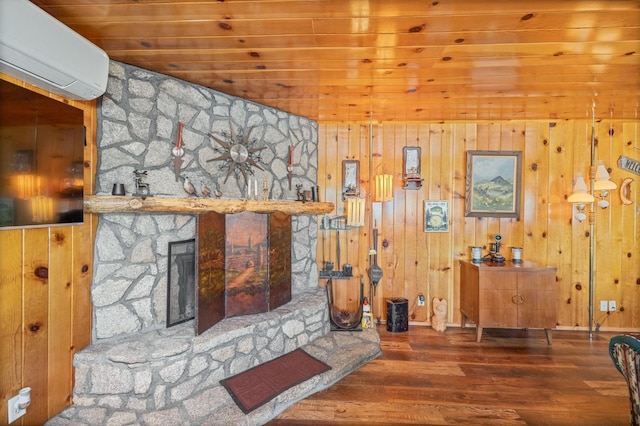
518, 299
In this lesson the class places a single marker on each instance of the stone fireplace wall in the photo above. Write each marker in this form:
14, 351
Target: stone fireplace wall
138, 121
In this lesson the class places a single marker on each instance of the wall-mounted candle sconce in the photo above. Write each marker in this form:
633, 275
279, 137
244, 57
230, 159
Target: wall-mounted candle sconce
350, 179
411, 178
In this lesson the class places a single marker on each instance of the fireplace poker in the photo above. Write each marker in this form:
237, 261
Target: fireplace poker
338, 247
323, 258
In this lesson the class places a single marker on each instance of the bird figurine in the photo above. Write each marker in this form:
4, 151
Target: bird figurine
188, 186
206, 192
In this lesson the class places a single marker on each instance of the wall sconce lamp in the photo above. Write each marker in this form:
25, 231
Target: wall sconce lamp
355, 211
384, 187
601, 184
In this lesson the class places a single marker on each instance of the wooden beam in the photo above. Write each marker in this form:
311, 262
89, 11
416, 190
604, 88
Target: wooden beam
129, 204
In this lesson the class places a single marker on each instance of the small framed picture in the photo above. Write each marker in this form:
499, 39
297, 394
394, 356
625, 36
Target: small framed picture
436, 216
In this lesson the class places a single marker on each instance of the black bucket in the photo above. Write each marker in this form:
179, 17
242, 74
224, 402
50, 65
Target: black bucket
397, 315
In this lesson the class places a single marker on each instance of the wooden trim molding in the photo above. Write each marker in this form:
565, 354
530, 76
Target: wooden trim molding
129, 204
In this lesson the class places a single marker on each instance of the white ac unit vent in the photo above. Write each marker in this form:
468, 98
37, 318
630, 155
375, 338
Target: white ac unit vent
40, 50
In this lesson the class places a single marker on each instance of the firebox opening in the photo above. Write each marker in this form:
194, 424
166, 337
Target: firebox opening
181, 282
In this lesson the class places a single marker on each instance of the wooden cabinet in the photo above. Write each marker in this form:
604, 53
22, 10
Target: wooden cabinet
508, 295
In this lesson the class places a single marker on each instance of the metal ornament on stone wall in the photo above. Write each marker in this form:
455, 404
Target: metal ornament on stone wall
239, 154
142, 188
178, 152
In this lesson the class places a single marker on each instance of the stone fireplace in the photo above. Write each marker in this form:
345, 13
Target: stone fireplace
138, 371
138, 124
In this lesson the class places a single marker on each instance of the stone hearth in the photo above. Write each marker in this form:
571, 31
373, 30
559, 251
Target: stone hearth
171, 376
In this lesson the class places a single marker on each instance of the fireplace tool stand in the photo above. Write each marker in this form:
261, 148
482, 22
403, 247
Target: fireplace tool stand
342, 271
342, 319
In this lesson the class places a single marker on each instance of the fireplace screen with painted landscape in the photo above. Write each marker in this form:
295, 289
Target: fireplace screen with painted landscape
244, 265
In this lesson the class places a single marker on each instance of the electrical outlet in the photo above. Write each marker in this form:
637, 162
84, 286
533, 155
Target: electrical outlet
13, 410
612, 305
420, 299
604, 306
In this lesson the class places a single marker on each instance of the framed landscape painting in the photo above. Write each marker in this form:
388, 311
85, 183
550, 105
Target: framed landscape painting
493, 184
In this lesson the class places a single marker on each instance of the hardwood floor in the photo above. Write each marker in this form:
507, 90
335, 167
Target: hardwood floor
512, 377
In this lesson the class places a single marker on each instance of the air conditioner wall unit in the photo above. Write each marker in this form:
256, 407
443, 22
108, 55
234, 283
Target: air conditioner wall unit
40, 50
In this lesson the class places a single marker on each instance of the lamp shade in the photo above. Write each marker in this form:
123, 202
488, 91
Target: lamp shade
602, 182
580, 194
355, 211
384, 188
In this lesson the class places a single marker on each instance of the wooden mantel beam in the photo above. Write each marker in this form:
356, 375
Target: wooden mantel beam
129, 204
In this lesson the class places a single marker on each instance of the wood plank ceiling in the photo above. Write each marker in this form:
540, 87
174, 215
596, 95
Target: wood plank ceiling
389, 60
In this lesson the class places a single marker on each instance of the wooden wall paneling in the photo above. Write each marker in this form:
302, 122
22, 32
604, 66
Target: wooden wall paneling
60, 318
464, 137
444, 134
384, 144
445, 184
361, 235
431, 170
425, 249
518, 143
50, 313
560, 169
439, 250
609, 149
630, 225
11, 330
547, 230
397, 230
82, 245
506, 224
482, 231
36, 286
328, 187
81, 285
604, 250
466, 141
412, 248
535, 193
382, 218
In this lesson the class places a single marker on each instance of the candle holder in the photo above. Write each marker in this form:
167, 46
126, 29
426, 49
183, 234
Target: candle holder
265, 189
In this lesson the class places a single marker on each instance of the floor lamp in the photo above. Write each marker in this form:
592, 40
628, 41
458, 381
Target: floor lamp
600, 182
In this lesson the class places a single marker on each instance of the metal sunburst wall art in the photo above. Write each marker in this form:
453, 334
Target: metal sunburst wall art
239, 154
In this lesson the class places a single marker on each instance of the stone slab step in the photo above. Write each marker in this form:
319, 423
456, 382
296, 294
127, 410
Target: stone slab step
344, 351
